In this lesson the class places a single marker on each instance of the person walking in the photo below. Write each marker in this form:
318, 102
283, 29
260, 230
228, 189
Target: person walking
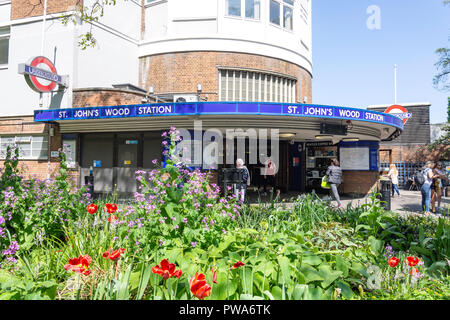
438, 187
334, 173
429, 175
393, 175
240, 189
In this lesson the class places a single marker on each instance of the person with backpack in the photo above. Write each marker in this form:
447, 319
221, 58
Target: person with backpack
334, 174
426, 181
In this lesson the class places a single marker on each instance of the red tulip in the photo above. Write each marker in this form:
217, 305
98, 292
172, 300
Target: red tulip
79, 265
238, 264
112, 217
92, 208
113, 255
199, 287
111, 207
393, 262
167, 270
412, 261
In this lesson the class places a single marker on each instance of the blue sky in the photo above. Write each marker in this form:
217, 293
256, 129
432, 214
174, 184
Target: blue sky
353, 65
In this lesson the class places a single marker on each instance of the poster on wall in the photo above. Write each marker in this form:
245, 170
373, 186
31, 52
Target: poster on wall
355, 158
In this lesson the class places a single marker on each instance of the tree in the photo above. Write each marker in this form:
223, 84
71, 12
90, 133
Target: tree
87, 14
440, 81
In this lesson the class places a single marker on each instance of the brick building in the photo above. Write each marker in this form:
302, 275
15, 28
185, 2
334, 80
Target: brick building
231, 64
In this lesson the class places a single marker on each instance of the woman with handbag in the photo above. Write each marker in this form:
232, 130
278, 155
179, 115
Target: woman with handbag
334, 174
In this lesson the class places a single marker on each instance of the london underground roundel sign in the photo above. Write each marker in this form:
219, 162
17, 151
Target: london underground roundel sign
399, 112
41, 75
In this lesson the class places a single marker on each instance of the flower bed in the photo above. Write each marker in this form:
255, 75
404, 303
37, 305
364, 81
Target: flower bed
180, 239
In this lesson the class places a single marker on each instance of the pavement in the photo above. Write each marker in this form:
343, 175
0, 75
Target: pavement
409, 202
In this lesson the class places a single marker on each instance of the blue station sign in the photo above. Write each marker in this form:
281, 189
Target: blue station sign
219, 108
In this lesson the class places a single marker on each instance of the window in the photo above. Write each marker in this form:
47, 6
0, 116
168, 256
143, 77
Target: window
252, 9
4, 45
287, 17
238, 85
30, 147
234, 8
275, 13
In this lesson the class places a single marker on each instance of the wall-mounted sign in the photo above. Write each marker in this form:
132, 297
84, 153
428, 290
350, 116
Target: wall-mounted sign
97, 163
319, 144
131, 142
41, 75
54, 154
399, 112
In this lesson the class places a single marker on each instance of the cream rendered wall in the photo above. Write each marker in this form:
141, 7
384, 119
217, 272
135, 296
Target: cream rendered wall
203, 25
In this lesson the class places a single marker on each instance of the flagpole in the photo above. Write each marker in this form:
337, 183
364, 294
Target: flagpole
395, 84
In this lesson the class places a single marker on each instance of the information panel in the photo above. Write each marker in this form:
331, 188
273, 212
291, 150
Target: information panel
355, 159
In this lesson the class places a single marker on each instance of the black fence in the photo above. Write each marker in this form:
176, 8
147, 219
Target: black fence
406, 172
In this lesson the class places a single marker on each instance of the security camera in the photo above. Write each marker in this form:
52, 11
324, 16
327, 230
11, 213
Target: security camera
291, 142
144, 100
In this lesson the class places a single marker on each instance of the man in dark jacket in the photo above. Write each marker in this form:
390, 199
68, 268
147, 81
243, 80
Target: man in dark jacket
334, 173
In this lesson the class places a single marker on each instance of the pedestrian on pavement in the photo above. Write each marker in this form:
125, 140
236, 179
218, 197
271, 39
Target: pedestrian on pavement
393, 175
240, 189
426, 187
438, 187
334, 173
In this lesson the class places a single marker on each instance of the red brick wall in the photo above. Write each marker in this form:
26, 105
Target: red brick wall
104, 97
413, 153
32, 8
358, 182
181, 72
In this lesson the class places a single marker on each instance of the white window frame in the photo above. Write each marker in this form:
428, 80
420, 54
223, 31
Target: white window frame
2, 37
25, 140
282, 4
243, 11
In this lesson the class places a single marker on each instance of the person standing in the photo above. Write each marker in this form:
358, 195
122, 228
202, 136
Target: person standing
270, 169
429, 175
437, 183
240, 189
334, 173
393, 175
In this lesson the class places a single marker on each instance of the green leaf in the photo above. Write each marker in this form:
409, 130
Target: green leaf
342, 265
277, 293
299, 291
346, 291
313, 293
266, 268
376, 246
310, 273
247, 280
421, 250
284, 267
312, 260
328, 274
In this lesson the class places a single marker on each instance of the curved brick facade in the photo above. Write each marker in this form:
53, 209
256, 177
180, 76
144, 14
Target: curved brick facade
93, 97
181, 72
